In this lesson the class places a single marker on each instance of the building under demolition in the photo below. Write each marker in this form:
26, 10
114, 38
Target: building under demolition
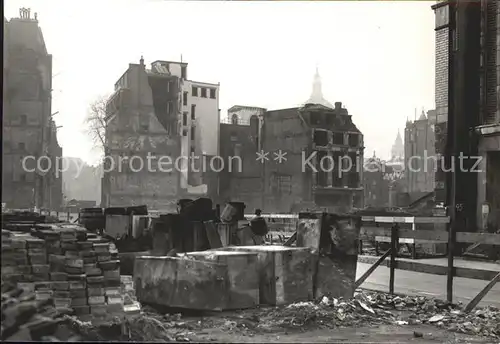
468, 110
287, 154
158, 112
28, 127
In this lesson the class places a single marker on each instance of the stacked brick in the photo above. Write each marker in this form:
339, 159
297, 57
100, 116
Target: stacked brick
130, 303
77, 269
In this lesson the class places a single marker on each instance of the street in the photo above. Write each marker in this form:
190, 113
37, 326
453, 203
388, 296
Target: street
416, 283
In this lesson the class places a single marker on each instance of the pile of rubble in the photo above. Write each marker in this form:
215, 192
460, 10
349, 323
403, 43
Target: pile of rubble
26, 319
370, 308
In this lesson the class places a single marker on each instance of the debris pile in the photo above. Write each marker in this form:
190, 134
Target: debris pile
26, 319
370, 308
78, 269
144, 327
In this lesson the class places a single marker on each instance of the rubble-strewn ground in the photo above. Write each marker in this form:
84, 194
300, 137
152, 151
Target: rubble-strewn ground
369, 317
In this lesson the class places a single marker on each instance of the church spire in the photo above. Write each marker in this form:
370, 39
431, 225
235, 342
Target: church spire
317, 92
398, 149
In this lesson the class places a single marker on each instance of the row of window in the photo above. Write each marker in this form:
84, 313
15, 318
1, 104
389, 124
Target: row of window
321, 138
203, 92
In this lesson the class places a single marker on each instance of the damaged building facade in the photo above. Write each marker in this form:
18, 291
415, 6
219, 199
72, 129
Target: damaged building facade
296, 173
156, 112
28, 127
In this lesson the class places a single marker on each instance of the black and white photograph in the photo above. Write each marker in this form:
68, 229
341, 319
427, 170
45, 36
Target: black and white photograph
251, 171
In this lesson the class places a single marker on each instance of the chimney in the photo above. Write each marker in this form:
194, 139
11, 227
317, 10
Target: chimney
338, 105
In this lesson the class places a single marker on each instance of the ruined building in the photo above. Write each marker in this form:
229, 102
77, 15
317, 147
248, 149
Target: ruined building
420, 155
296, 146
468, 109
28, 127
160, 113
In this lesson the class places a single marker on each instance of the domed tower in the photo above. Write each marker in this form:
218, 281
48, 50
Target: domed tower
317, 92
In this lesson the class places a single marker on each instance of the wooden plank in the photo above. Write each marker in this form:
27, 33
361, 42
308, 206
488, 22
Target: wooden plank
291, 240
275, 216
482, 294
479, 238
432, 219
406, 219
416, 266
212, 234
438, 236
371, 269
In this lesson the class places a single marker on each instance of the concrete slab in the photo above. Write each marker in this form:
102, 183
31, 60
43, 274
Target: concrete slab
181, 283
243, 275
285, 273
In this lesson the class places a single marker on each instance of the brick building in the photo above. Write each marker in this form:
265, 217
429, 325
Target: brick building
160, 113
467, 106
420, 157
304, 136
28, 127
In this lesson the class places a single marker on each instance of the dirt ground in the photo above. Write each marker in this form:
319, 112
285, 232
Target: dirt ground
259, 326
379, 334
367, 318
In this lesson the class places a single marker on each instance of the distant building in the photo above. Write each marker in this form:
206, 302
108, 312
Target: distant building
160, 112
398, 148
420, 154
304, 137
383, 181
28, 127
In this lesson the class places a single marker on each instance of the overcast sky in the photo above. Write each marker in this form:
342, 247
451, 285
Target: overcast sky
375, 57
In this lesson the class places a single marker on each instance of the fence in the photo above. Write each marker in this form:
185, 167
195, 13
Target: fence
404, 230
450, 236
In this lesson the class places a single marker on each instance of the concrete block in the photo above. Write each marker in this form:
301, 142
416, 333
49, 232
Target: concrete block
285, 273
182, 283
242, 273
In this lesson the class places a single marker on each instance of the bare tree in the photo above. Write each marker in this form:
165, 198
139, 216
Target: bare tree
95, 122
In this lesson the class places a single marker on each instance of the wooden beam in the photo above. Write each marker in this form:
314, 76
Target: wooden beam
439, 236
291, 240
442, 270
406, 219
449, 275
480, 238
394, 253
371, 269
482, 293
